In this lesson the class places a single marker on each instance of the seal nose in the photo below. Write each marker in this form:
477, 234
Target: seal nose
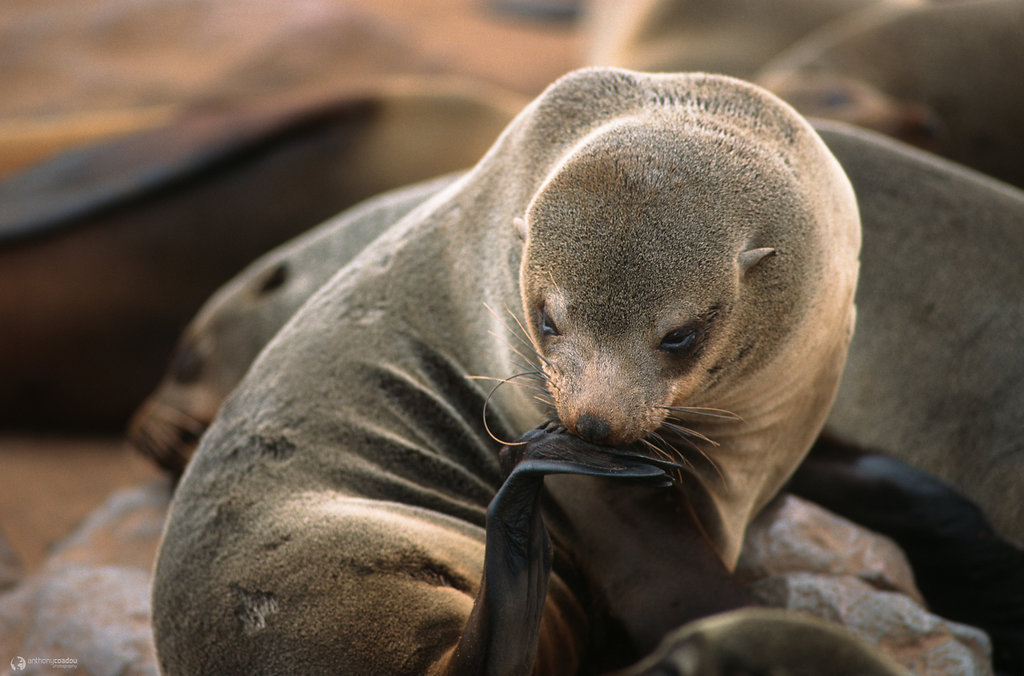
592, 428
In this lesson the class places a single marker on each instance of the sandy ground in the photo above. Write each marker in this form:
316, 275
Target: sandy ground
49, 483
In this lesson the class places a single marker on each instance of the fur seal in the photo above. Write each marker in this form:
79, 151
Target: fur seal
93, 243
333, 518
221, 342
936, 63
745, 641
733, 37
934, 370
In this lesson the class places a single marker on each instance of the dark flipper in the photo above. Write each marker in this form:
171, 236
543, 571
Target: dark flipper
964, 569
645, 565
502, 634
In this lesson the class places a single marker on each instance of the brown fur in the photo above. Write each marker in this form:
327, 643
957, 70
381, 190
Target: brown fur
949, 70
935, 366
332, 519
612, 315
221, 342
733, 37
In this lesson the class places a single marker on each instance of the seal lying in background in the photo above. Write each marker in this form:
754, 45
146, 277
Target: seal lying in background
221, 342
934, 370
93, 244
934, 74
732, 37
934, 379
946, 68
680, 247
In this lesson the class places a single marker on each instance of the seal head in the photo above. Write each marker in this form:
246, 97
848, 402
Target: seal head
688, 279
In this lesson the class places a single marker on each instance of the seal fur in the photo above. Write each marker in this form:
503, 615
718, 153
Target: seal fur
945, 66
934, 370
333, 516
221, 342
732, 37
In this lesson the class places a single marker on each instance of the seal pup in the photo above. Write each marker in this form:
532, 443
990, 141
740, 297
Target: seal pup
952, 62
221, 342
333, 518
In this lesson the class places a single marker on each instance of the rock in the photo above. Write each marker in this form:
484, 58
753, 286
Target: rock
124, 531
899, 626
801, 557
98, 616
793, 535
10, 565
90, 601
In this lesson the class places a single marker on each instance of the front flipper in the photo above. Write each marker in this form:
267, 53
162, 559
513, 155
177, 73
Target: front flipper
502, 633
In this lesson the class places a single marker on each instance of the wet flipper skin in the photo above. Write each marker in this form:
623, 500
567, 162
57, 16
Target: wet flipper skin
503, 630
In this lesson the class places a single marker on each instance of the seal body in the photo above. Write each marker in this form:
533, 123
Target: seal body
942, 71
221, 342
333, 518
934, 370
733, 37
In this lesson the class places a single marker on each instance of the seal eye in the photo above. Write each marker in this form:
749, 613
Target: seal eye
186, 365
547, 325
679, 342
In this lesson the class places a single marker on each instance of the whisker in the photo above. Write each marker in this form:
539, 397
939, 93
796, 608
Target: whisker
496, 379
533, 384
658, 451
714, 466
687, 436
676, 453
711, 462
531, 371
551, 276
518, 337
702, 411
673, 457
516, 350
685, 439
687, 432
519, 324
487, 401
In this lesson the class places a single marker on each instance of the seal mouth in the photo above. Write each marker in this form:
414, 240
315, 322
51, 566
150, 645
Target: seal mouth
673, 440
167, 435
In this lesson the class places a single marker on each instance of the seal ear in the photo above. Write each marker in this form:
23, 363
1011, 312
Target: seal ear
751, 257
519, 225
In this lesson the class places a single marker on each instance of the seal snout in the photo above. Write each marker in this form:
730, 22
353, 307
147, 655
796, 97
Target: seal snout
593, 428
